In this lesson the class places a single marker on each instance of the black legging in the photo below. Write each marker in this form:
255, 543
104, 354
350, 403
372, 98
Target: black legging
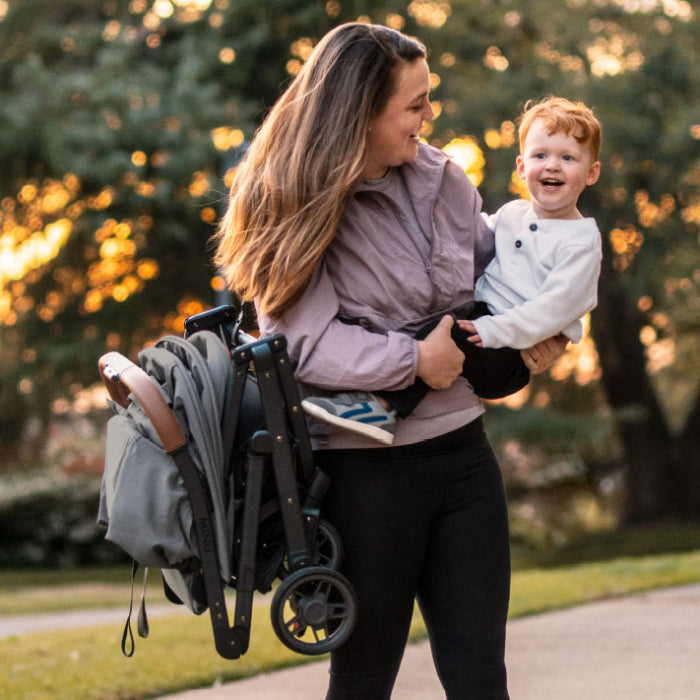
429, 521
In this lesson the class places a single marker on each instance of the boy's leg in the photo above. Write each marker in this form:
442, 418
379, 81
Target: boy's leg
492, 372
357, 411
403, 401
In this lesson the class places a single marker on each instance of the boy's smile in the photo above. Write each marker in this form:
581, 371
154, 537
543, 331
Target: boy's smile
556, 169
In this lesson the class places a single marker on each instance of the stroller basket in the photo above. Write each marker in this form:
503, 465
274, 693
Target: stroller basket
209, 476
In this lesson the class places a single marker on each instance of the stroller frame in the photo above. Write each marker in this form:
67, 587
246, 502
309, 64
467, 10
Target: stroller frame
313, 599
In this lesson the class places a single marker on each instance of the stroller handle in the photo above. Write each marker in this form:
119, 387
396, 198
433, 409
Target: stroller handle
123, 378
243, 338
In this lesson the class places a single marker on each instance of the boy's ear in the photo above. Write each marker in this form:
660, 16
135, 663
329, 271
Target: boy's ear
520, 166
593, 173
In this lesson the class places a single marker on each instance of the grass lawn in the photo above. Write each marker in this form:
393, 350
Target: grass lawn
87, 663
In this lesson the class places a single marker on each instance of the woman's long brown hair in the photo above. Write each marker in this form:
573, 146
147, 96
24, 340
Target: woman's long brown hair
290, 191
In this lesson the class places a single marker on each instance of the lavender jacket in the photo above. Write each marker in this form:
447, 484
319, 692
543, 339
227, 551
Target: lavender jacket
352, 328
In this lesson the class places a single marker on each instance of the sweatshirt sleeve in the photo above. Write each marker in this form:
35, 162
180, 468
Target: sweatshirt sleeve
568, 292
333, 355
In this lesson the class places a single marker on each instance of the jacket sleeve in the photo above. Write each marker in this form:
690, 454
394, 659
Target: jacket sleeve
333, 355
569, 291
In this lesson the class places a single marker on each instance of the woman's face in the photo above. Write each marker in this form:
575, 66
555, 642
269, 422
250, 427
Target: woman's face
393, 135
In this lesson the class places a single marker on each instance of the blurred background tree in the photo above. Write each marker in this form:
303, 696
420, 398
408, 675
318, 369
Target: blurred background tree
114, 119
120, 122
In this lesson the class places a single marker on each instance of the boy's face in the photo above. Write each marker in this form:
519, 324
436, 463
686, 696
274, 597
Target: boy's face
556, 169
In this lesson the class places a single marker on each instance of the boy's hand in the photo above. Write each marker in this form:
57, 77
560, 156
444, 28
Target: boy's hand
474, 337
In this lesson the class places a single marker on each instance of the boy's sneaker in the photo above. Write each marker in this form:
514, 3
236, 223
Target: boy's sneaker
357, 411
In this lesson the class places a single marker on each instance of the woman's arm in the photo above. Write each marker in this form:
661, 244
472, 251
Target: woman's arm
331, 354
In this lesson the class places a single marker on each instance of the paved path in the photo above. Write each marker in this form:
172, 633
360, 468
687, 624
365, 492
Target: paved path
645, 647
11, 625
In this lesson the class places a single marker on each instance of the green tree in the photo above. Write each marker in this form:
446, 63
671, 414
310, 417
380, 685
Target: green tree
115, 118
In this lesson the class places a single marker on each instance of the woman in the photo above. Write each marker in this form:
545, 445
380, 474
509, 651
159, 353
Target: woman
350, 235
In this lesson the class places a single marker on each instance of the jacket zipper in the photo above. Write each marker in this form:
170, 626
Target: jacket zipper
429, 270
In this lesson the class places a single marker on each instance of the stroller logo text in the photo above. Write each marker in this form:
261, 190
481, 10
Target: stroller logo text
207, 543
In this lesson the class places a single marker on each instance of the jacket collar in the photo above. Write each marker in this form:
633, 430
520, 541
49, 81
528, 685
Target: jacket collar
423, 179
425, 170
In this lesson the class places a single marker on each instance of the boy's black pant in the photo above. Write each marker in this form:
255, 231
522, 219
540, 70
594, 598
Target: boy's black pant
492, 372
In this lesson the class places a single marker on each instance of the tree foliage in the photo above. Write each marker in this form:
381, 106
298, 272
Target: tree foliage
118, 120
114, 118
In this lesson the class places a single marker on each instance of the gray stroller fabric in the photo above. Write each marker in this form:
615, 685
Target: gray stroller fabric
143, 502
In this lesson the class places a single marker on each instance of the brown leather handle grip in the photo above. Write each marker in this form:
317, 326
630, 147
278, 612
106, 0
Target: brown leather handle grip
122, 377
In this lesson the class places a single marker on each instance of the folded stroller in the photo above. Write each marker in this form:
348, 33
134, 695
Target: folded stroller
209, 477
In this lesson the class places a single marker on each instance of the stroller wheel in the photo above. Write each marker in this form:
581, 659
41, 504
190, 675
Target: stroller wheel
327, 549
314, 610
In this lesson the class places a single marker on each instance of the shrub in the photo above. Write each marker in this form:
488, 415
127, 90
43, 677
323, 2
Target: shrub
49, 519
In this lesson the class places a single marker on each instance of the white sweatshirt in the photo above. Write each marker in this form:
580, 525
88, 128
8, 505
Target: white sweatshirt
543, 279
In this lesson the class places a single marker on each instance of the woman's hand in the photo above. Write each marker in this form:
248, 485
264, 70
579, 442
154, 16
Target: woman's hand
439, 359
542, 356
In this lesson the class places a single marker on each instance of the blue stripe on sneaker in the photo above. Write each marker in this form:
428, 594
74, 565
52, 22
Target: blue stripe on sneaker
366, 408
358, 413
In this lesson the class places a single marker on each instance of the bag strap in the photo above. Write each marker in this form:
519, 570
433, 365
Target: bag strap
128, 644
